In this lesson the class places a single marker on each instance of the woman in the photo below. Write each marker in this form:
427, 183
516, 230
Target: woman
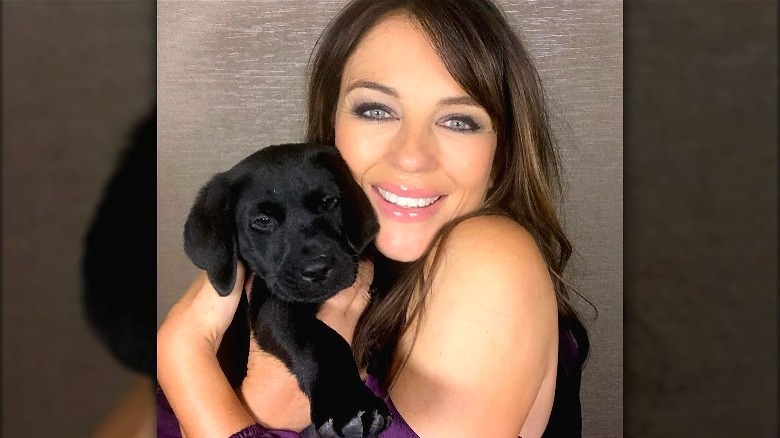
439, 113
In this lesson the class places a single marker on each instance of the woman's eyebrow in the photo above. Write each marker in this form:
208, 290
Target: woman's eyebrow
373, 86
390, 91
460, 100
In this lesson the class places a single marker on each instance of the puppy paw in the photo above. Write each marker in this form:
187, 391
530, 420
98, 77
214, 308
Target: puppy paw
363, 425
366, 417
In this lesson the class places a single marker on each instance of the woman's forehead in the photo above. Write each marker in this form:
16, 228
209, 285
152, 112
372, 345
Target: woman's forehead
396, 52
392, 38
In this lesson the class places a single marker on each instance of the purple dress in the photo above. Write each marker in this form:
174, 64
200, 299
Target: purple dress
168, 425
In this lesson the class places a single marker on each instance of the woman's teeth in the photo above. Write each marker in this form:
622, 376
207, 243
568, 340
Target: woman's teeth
405, 202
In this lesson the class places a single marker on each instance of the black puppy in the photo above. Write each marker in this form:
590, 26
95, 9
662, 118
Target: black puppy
294, 216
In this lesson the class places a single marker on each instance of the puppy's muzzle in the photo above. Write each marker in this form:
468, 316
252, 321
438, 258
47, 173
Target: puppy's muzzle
318, 269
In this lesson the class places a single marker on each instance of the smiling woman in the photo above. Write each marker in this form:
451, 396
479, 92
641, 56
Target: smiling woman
460, 319
416, 142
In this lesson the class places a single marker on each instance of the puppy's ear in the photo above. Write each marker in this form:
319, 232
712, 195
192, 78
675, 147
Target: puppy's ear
209, 234
358, 218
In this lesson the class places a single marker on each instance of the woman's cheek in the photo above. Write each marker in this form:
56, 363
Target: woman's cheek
350, 140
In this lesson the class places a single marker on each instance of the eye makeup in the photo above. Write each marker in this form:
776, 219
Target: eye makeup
372, 111
460, 123
369, 109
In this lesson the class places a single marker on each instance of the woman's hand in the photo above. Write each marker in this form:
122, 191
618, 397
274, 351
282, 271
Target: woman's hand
204, 311
342, 311
187, 366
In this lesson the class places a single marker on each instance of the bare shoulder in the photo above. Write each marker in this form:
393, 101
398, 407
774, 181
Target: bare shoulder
499, 254
487, 340
496, 240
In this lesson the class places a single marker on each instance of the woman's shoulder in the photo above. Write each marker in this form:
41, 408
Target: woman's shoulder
494, 246
492, 229
486, 342
491, 286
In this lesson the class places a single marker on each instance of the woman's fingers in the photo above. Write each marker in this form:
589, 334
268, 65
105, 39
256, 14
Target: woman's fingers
203, 311
342, 311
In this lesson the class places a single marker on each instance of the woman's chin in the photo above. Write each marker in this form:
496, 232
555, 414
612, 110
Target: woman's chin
403, 248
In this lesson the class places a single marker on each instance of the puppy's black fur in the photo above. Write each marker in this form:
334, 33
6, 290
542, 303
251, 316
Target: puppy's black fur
294, 216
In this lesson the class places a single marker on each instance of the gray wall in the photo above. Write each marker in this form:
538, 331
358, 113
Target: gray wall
76, 76
231, 80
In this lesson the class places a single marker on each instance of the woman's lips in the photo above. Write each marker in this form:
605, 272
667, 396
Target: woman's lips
406, 205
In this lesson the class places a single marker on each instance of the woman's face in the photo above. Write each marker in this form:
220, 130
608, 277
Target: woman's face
419, 146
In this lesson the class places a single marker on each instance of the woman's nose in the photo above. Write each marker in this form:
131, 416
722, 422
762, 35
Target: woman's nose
415, 150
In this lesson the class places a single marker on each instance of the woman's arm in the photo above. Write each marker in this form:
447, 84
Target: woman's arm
187, 366
487, 344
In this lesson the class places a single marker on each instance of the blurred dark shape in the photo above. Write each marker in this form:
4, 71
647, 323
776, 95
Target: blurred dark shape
119, 265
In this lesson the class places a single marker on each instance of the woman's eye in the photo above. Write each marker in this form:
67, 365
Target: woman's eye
461, 123
263, 223
373, 111
376, 114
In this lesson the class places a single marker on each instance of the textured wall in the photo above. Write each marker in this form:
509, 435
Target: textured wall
76, 76
231, 79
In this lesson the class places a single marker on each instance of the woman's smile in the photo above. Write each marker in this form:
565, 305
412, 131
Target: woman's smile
402, 204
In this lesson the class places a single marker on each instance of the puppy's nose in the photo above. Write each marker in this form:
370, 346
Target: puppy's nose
317, 270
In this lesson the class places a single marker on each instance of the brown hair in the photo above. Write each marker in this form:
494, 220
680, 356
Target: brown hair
487, 59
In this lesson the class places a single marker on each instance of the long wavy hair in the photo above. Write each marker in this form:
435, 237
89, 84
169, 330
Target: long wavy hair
487, 59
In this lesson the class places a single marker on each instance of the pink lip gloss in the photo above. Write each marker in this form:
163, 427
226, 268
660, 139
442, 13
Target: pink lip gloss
406, 214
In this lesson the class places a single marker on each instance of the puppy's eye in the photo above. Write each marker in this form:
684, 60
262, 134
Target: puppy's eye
329, 202
263, 223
